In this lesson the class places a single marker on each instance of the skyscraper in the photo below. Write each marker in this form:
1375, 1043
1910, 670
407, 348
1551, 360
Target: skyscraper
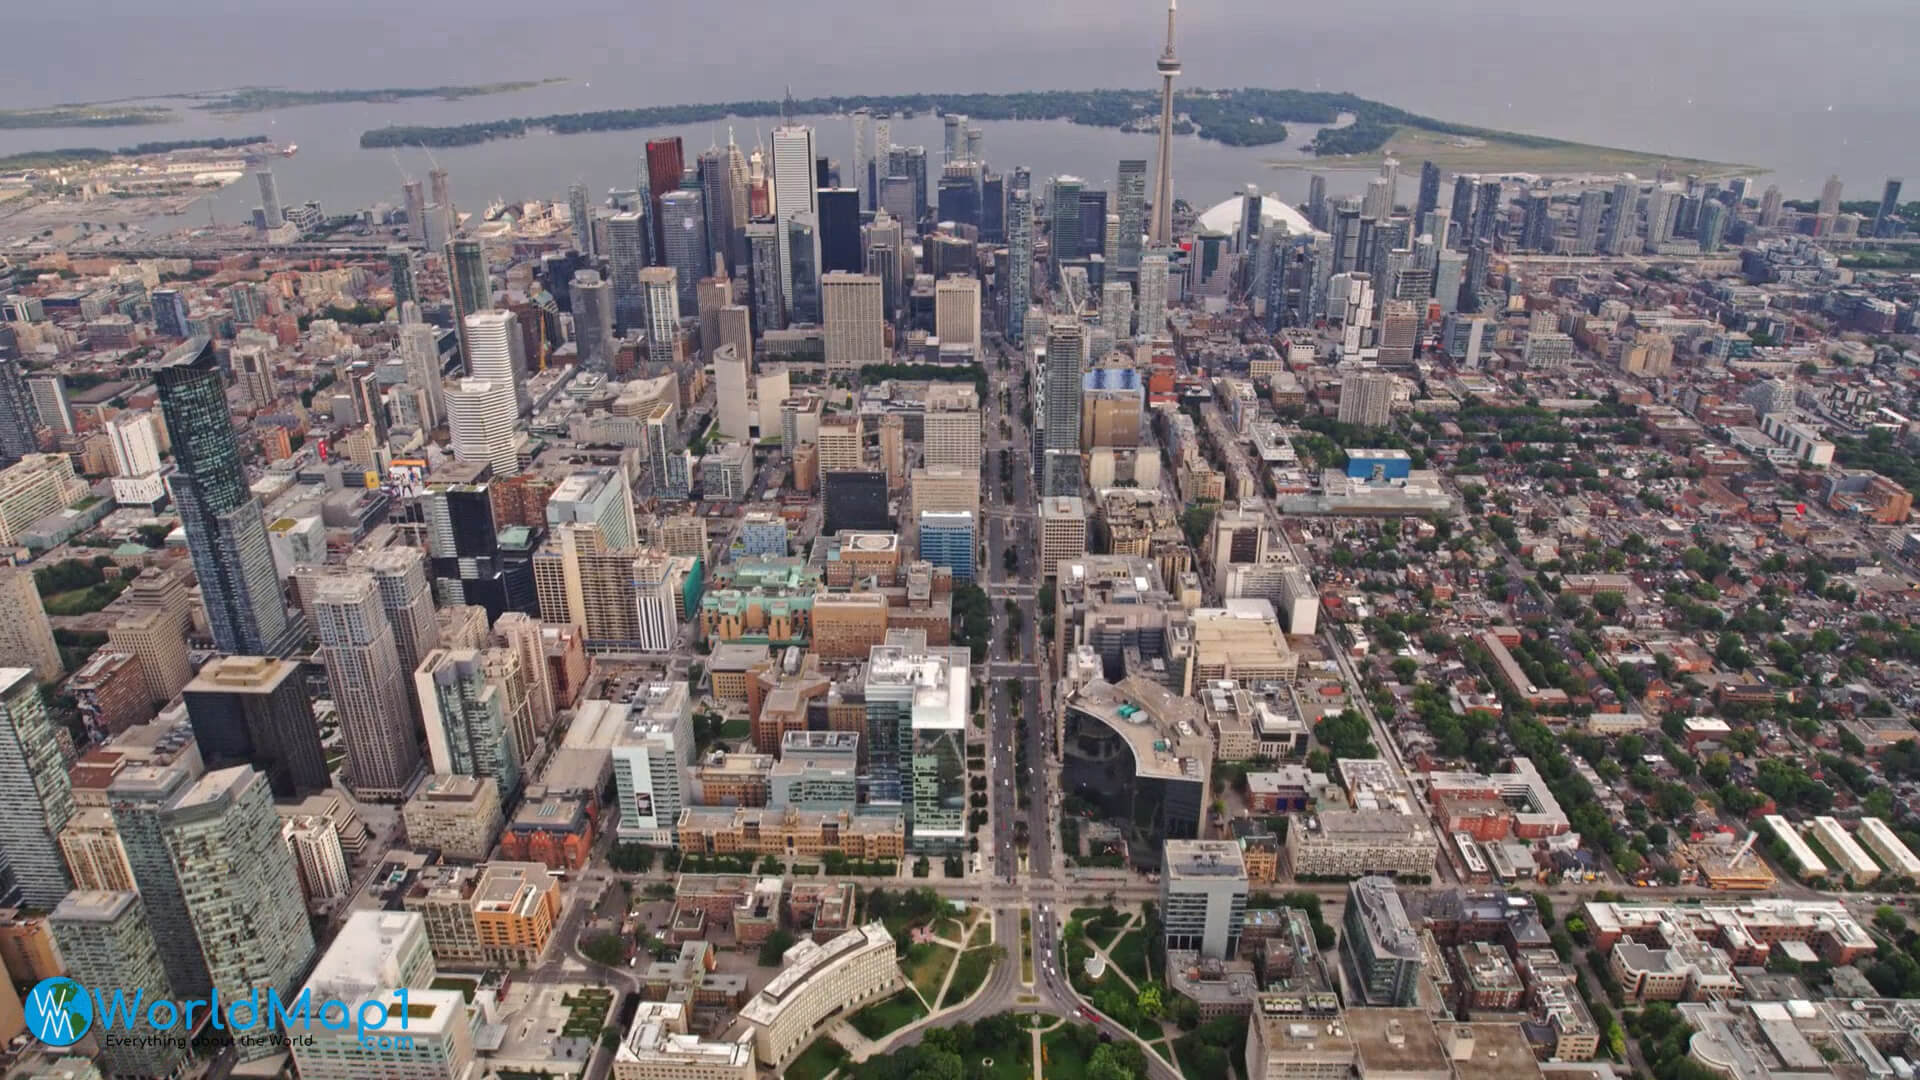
1066, 348
803, 253
17, 413
1130, 196
1161, 235
763, 260
496, 353
666, 164
480, 424
840, 231
1366, 399
106, 941
863, 156
855, 321
1020, 262
467, 278
683, 227
221, 515
139, 796
592, 321
400, 274
1829, 206
1885, 217
466, 720
36, 792
1153, 296
1067, 242
269, 196
716, 198
26, 635
794, 193
414, 197
626, 257
1623, 218
400, 575
660, 303
363, 669
254, 710
581, 213
1429, 193
1586, 224
956, 310
241, 889
170, 314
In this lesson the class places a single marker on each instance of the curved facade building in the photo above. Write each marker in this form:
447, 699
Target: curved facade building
1140, 755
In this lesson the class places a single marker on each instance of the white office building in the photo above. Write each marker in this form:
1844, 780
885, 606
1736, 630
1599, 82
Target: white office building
650, 758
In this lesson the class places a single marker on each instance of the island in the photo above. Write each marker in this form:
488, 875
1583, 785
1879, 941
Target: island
1352, 128
261, 98
83, 115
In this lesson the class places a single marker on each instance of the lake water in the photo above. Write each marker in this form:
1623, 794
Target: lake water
1804, 90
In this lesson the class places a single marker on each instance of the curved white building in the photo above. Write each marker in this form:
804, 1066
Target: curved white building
817, 981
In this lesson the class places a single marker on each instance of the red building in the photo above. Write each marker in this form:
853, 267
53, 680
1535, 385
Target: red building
554, 829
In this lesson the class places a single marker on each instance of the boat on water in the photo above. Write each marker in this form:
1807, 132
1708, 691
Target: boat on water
290, 149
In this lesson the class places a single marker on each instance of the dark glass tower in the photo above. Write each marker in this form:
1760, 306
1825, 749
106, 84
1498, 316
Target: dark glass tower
250, 710
840, 231
225, 533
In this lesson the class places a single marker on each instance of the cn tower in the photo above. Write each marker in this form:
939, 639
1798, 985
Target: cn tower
1160, 235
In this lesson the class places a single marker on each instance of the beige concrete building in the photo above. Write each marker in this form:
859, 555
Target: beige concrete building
847, 625
951, 434
658, 1046
854, 314
1063, 532
459, 815
947, 489
155, 638
816, 982
95, 857
840, 444
32, 488
1298, 1037
1241, 641
684, 534
956, 310
26, 637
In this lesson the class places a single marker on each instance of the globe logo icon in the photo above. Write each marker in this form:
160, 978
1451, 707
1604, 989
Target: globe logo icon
59, 1011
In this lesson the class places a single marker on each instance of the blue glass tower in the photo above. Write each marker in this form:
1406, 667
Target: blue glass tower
947, 539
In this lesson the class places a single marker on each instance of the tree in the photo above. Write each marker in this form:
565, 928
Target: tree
604, 949
775, 947
1149, 1001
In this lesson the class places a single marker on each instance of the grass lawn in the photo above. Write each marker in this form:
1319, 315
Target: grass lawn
969, 974
950, 929
981, 937
883, 1018
736, 729
926, 966
1011, 1061
1062, 1059
1130, 955
816, 1061
1102, 936
84, 601
1026, 947
465, 985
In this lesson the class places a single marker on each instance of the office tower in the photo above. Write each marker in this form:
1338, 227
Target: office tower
225, 534
711, 296
1366, 399
666, 165
1887, 215
1066, 349
580, 215
1429, 191
768, 294
1130, 196
414, 198
363, 669
467, 278
956, 311
241, 889
466, 720
1317, 200
660, 303
254, 710
1203, 897
496, 353
1116, 310
406, 598
840, 230
716, 198
36, 793
730, 378
1771, 204
863, 156
1248, 233
1536, 234
1020, 262
739, 206
107, 943
26, 635
683, 229
600, 497
170, 317
1380, 949
1153, 296
1711, 230
1161, 234
1093, 222
794, 193
656, 581
627, 249
592, 321
947, 538
1067, 242
993, 209
856, 334
803, 252
17, 413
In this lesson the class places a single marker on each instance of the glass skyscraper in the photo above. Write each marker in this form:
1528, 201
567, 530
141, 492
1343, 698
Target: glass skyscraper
221, 515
